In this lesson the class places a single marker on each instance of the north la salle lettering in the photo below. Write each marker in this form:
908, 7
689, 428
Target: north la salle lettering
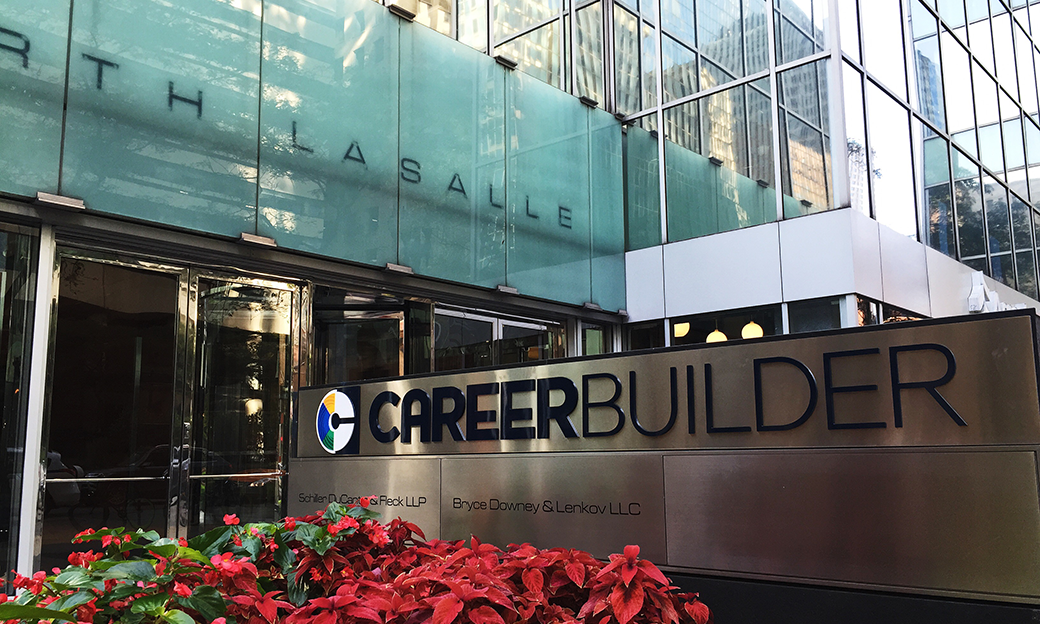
410, 169
455, 410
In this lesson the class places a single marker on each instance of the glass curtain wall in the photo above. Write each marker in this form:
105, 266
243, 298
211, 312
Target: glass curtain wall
943, 133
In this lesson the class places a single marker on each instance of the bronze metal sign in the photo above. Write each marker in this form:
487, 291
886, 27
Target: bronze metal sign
898, 458
965, 382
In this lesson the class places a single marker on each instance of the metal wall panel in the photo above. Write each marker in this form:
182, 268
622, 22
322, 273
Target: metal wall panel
944, 521
598, 503
405, 488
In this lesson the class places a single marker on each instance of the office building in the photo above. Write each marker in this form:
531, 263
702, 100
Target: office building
209, 204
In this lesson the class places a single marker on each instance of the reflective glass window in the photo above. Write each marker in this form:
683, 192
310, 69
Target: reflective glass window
720, 34
1026, 71
680, 69
956, 73
513, 16
936, 199
968, 206
538, 53
856, 139
1004, 53
848, 20
998, 231
882, 44
804, 140
677, 19
472, 24
801, 28
927, 67
893, 181
589, 53
627, 81
952, 11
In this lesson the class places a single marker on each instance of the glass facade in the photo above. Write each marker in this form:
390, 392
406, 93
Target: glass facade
331, 127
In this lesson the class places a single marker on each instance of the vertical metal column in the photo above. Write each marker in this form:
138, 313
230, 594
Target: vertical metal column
33, 467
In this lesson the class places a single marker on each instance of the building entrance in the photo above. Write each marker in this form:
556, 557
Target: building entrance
168, 398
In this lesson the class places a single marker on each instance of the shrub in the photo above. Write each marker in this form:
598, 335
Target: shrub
343, 566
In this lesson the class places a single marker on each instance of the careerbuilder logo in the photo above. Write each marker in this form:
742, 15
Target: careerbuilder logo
337, 422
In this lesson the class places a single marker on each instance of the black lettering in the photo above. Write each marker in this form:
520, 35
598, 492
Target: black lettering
565, 217
632, 405
829, 389
691, 425
295, 143
408, 174
528, 204
450, 419
410, 420
354, 153
476, 416
22, 51
512, 414
491, 197
180, 98
709, 407
898, 386
373, 417
759, 408
101, 65
560, 413
456, 185
611, 403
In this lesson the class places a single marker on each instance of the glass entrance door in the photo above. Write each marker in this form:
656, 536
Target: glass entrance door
113, 399
169, 397
233, 451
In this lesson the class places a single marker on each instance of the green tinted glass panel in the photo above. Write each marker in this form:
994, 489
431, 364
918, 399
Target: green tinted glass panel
547, 245
453, 211
329, 159
32, 80
642, 189
608, 224
162, 108
691, 184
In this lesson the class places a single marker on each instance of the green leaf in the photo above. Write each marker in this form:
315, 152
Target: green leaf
284, 557
164, 547
191, 553
148, 536
297, 593
334, 512
211, 542
252, 545
97, 535
308, 533
132, 570
152, 604
131, 618
74, 577
72, 600
177, 617
11, 611
207, 601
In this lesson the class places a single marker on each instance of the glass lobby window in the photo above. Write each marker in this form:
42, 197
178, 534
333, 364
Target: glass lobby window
856, 139
595, 339
18, 249
688, 330
927, 68
804, 140
357, 344
890, 161
648, 335
883, 53
464, 340
814, 315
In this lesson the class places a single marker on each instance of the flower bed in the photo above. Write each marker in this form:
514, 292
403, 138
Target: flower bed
343, 566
